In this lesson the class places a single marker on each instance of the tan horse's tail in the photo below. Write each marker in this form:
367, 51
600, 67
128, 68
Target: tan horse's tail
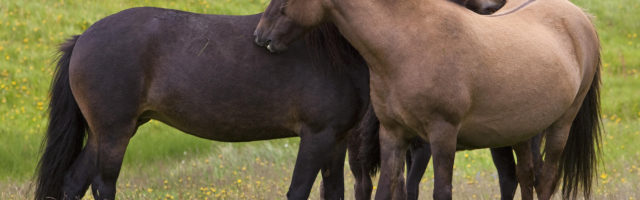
578, 163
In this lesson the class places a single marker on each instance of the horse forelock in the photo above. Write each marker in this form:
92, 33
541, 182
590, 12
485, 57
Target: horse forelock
326, 42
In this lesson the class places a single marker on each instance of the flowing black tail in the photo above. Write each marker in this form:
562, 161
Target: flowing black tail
579, 159
366, 143
65, 134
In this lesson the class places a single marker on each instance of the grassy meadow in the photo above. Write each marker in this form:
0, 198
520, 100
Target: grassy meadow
163, 163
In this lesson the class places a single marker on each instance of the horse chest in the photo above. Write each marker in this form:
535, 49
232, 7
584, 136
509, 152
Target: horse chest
413, 99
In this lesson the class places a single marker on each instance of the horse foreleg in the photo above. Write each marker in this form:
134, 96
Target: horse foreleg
393, 146
443, 140
314, 153
420, 155
506, 167
524, 169
333, 173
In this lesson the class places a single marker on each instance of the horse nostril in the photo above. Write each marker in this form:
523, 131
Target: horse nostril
260, 42
257, 41
270, 48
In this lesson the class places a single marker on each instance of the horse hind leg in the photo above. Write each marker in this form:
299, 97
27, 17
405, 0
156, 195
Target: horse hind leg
524, 169
571, 147
536, 142
80, 173
506, 167
112, 122
363, 185
99, 162
556, 138
113, 140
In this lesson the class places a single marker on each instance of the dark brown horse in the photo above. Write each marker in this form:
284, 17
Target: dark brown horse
200, 74
464, 81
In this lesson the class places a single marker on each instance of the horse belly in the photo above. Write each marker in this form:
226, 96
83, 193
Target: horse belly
509, 121
244, 134
228, 130
222, 116
482, 134
513, 111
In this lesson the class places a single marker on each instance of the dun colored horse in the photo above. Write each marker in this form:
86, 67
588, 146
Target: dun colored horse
200, 74
464, 81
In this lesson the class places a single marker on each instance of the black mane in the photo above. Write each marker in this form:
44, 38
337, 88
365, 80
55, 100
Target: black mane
327, 40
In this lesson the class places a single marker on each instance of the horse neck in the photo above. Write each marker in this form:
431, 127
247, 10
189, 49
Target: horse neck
377, 28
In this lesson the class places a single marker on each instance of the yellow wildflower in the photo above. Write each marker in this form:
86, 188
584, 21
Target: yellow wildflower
603, 175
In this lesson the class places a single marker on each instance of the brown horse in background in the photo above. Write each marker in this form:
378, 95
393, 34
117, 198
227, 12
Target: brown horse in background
463, 81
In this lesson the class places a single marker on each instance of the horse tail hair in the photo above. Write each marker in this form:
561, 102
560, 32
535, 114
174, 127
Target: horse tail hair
369, 147
579, 160
65, 133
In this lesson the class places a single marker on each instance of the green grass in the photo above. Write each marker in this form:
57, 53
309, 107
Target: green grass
193, 168
617, 23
